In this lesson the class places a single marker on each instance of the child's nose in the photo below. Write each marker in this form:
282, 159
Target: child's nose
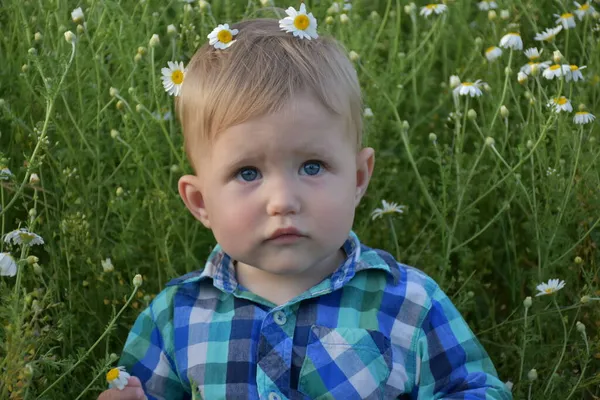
282, 198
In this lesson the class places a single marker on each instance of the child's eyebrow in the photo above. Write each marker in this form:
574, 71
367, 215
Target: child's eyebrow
249, 159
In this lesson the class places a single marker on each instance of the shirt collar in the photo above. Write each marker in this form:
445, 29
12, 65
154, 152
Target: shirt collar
220, 268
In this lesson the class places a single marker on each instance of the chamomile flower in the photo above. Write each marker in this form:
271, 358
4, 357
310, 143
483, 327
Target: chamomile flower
512, 41
172, 77
554, 71
549, 34
533, 53
567, 20
432, 8
107, 265
532, 67
492, 53
573, 72
583, 9
22, 236
487, 5
5, 174
468, 89
553, 286
222, 37
117, 377
77, 15
299, 23
8, 266
388, 208
559, 104
583, 117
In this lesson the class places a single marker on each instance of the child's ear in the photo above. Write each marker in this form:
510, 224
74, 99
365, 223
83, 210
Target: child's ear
190, 191
365, 161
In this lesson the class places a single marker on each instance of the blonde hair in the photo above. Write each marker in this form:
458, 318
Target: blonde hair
257, 75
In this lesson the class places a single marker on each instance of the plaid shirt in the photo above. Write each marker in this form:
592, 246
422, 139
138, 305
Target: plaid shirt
375, 329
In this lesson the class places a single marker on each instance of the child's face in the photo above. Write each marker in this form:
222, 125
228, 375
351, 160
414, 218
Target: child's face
297, 168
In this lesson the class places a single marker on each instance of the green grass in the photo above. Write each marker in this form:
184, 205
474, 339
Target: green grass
488, 222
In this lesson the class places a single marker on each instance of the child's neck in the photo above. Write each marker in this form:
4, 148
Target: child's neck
279, 289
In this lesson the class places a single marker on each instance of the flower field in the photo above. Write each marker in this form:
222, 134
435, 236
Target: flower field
483, 116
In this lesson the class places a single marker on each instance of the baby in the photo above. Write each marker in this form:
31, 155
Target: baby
290, 304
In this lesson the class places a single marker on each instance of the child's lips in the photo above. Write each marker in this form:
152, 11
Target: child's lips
286, 235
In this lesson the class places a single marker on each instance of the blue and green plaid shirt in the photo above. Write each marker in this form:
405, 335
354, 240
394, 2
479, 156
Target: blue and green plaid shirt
374, 329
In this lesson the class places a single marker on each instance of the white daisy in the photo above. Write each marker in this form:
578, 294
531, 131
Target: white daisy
532, 67
368, 113
521, 77
107, 265
117, 377
553, 71
299, 23
468, 89
388, 208
222, 37
8, 266
77, 15
512, 41
5, 174
533, 53
567, 20
559, 104
549, 34
433, 8
583, 9
487, 5
23, 236
583, 117
492, 53
553, 286
172, 77
573, 72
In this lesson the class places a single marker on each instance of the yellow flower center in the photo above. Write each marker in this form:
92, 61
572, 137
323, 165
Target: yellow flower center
112, 374
584, 7
573, 67
301, 22
467, 84
431, 6
566, 16
515, 34
177, 77
224, 36
561, 101
26, 237
581, 113
548, 290
490, 49
554, 67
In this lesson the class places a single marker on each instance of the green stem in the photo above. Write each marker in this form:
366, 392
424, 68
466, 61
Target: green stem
395, 237
564, 347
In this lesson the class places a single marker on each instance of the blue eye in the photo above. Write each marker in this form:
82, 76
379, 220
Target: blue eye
248, 174
312, 167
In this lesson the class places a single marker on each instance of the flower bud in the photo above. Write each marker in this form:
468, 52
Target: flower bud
187, 8
504, 14
507, 71
139, 107
37, 269
34, 178
137, 57
410, 8
478, 42
137, 280
504, 111
119, 191
203, 4
527, 302
522, 77
557, 56
405, 125
585, 299
120, 105
32, 51
113, 357
80, 29
28, 370
70, 37
532, 375
578, 260
32, 212
530, 144
32, 260
114, 133
154, 41
171, 30
368, 113
37, 37
433, 137
492, 15
329, 20
472, 114
489, 141
24, 68
353, 56
580, 327
454, 81
344, 19
113, 91
77, 15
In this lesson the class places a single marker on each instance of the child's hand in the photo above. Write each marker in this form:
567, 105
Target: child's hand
133, 391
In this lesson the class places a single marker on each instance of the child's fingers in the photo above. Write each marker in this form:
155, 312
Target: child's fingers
134, 381
129, 393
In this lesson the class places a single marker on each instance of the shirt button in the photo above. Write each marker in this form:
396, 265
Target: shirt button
274, 396
280, 319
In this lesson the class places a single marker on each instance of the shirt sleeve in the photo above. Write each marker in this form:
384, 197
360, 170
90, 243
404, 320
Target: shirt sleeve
451, 363
146, 357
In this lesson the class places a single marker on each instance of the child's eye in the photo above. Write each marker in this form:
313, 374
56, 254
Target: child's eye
248, 174
311, 167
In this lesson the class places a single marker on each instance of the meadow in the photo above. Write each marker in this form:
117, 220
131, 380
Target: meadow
488, 148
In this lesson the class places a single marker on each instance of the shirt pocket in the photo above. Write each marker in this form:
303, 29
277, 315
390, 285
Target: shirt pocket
345, 363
